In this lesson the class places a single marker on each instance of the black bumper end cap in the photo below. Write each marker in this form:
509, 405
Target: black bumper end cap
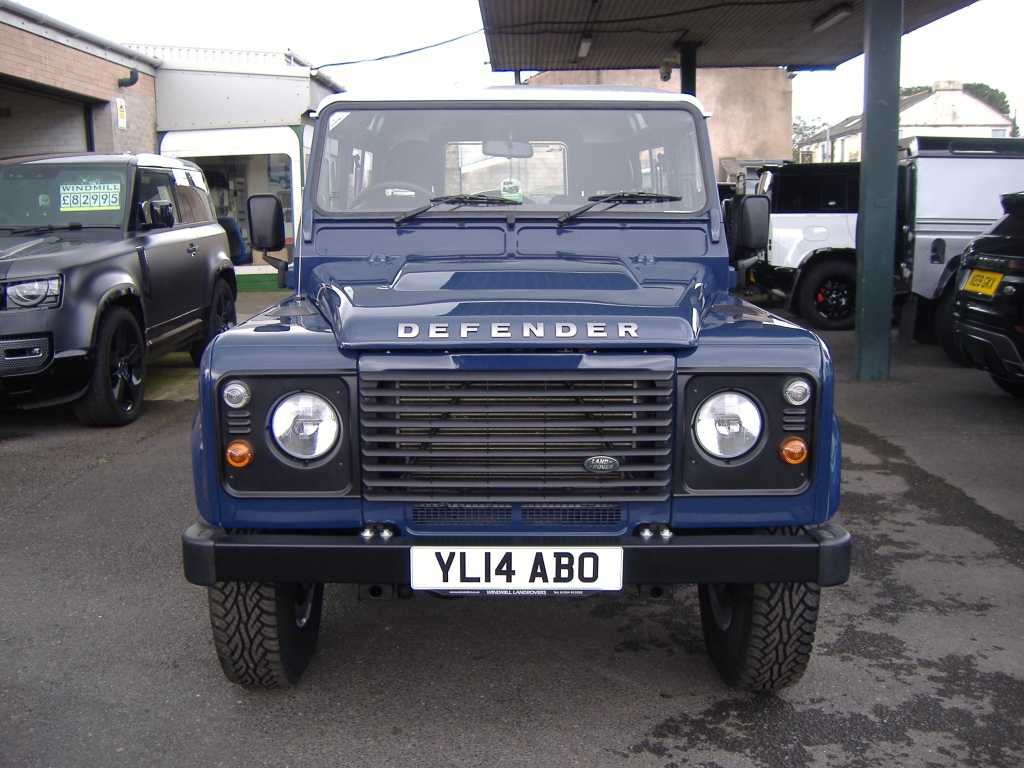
197, 553
834, 547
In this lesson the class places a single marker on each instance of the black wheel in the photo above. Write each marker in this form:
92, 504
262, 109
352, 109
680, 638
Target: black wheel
221, 317
118, 378
944, 327
827, 296
759, 636
265, 633
1014, 388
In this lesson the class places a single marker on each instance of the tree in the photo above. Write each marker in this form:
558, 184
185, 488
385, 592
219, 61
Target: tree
912, 89
991, 96
803, 130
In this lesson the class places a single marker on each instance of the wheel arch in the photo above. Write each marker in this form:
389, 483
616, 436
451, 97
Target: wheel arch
227, 274
127, 296
817, 257
948, 277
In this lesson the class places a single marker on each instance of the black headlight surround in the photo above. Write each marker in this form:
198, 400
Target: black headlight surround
272, 473
761, 470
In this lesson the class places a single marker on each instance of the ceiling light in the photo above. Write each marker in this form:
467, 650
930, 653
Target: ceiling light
831, 16
585, 42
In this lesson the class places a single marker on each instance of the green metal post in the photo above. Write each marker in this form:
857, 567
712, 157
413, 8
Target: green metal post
876, 223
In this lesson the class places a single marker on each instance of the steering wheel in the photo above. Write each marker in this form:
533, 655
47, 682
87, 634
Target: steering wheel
376, 191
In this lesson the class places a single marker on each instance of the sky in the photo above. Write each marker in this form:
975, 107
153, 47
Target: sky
980, 43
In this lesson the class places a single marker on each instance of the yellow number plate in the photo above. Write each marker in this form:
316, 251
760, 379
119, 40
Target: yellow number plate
983, 282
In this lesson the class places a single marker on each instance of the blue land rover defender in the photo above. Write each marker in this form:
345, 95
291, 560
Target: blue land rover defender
512, 366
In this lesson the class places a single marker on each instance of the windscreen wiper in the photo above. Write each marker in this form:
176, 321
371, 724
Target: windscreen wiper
476, 199
615, 198
43, 228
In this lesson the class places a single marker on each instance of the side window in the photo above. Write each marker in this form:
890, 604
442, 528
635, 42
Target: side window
852, 194
203, 193
833, 194
150, 186
190, 205
798, 194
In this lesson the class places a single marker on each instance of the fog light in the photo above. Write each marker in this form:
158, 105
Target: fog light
793, 450
239, 454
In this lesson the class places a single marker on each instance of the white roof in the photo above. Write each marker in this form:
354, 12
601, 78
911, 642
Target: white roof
610, 94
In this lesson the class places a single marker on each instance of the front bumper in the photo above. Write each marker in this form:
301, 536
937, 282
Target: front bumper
822, 555
991, 350
63, 379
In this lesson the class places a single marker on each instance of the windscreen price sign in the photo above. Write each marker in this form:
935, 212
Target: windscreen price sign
90, 197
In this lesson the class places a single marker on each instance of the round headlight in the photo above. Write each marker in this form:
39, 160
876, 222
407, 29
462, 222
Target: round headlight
305, 426
727, 425
236, 394
797, 392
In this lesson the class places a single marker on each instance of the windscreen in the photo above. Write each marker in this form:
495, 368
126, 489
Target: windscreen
37, 194
535, 159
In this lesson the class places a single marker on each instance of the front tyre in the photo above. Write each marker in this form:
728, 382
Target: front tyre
118, 378
827, 295
945, 327
221, 317
1014, 388
759, 636
265, 633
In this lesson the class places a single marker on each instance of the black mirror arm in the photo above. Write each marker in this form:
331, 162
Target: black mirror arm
282, 269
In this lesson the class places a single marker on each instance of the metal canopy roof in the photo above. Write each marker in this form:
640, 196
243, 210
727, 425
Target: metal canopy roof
641, 34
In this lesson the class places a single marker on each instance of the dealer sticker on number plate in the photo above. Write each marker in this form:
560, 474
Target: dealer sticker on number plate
983, 282
516, 570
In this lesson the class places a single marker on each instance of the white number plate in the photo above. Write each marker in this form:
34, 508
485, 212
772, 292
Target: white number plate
516, 570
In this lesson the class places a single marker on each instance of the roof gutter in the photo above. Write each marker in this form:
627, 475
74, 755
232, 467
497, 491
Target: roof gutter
78, 34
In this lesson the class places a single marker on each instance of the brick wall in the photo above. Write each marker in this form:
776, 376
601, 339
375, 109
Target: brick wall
37, 125
36, 59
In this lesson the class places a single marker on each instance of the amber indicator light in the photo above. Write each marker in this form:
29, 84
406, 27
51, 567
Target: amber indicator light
793, 450
239, 453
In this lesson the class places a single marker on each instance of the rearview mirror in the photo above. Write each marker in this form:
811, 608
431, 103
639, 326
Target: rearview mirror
520, 149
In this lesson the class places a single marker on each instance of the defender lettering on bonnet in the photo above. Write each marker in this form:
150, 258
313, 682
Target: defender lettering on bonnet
562, 330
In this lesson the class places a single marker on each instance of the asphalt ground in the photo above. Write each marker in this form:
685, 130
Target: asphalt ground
106, 657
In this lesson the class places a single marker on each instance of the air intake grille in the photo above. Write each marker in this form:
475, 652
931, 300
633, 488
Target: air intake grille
515, 436
433, 513
572, 514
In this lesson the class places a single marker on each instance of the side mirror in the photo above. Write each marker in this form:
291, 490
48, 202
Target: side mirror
266, 223
156, 214
751, 223
162, 213
266, 230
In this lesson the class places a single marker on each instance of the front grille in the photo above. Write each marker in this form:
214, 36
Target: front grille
441, 513
572, 514
515, 436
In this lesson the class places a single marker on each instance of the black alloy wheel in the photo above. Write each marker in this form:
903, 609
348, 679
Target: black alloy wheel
118, 381
827, 297
222, 316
